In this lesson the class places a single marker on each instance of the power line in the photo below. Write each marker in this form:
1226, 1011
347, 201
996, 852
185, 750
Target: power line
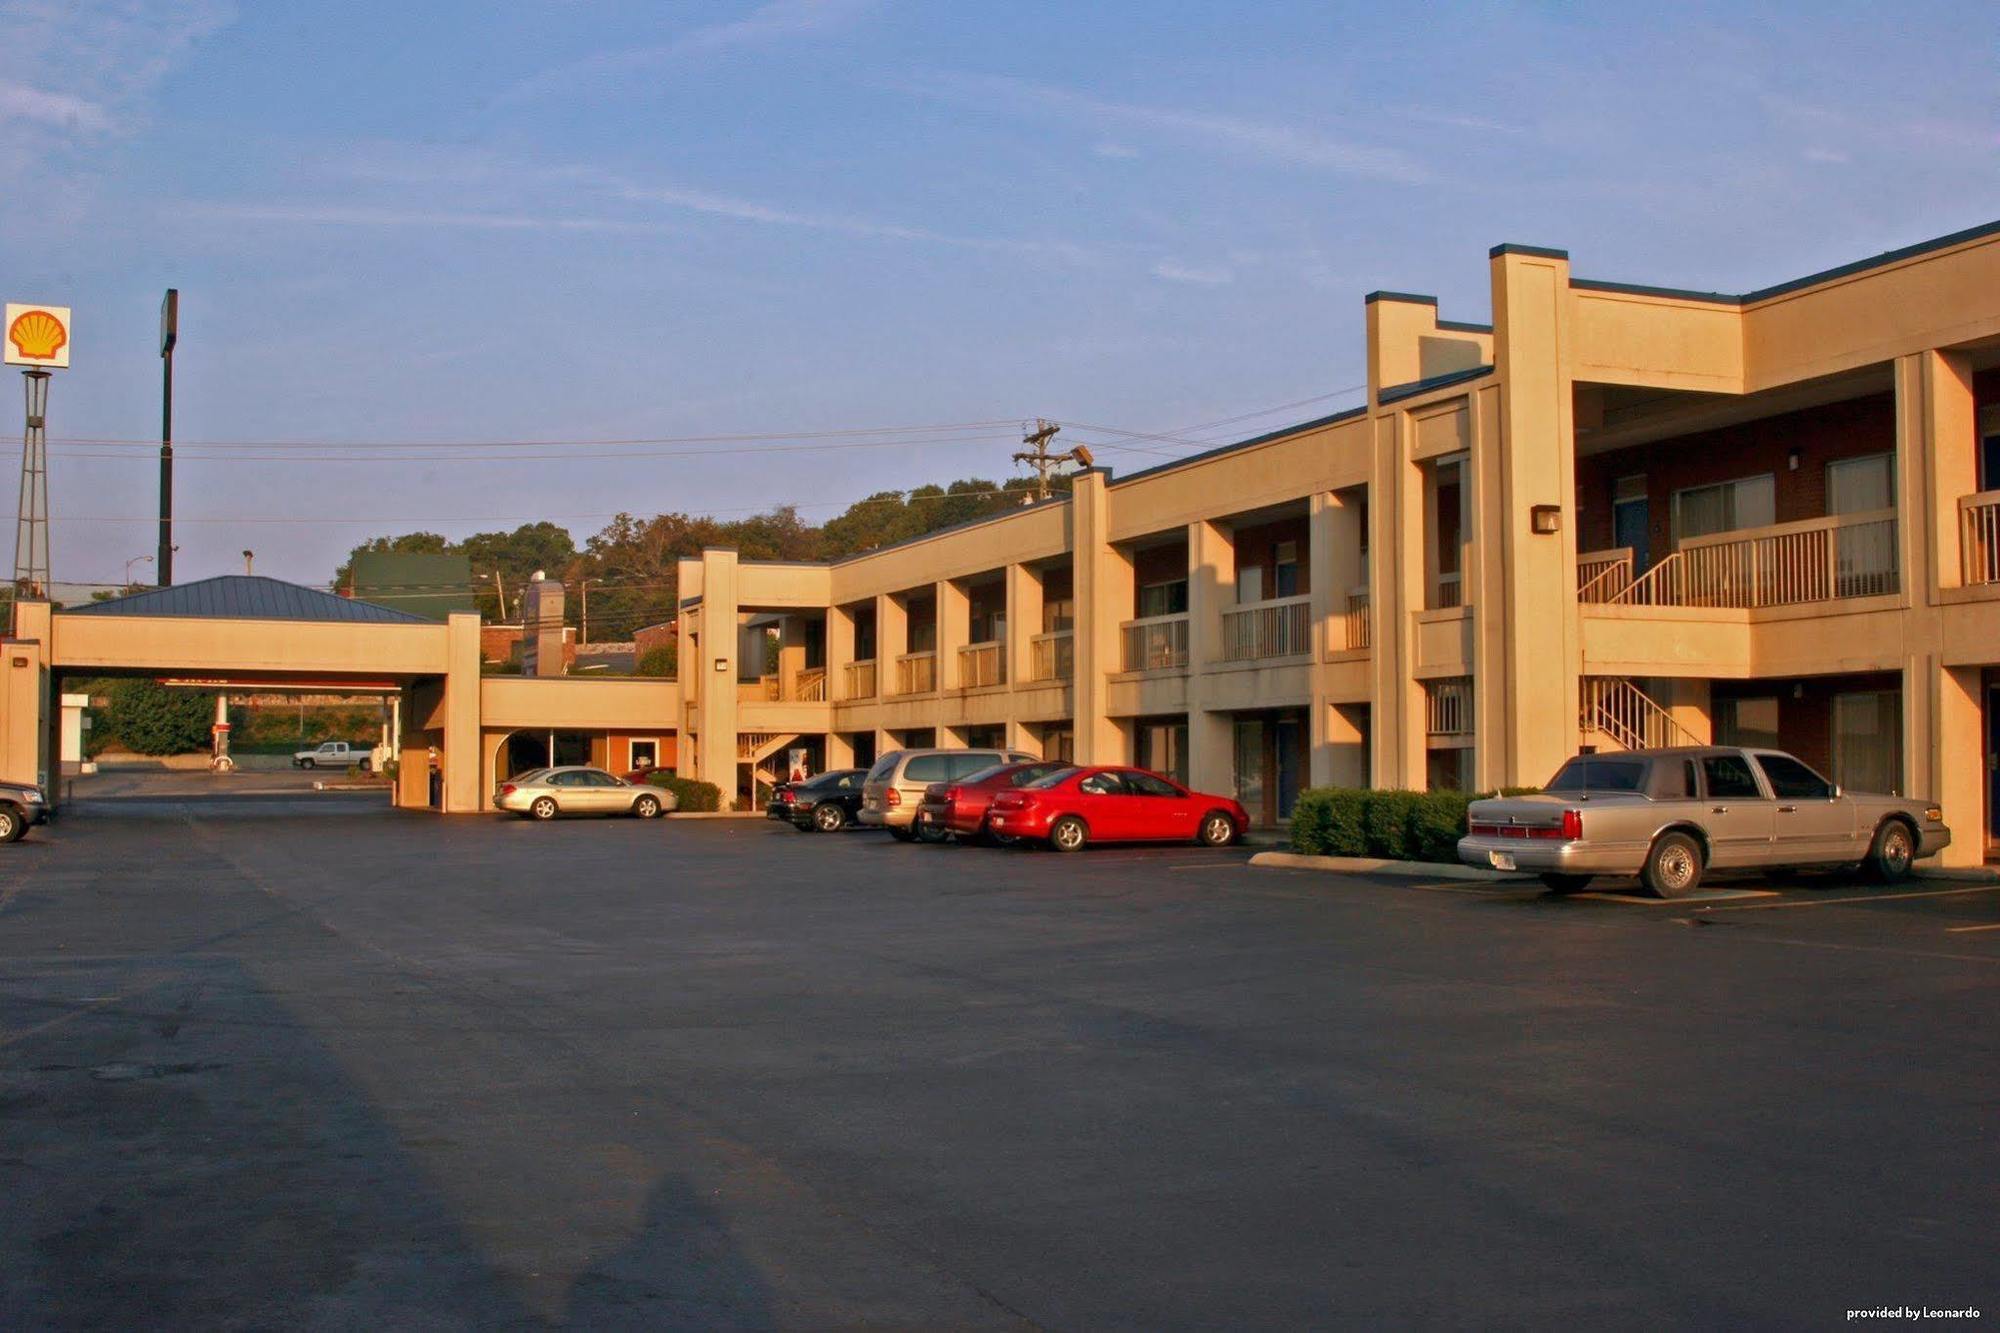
750, 437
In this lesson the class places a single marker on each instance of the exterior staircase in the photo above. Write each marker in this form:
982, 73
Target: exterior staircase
1618, 715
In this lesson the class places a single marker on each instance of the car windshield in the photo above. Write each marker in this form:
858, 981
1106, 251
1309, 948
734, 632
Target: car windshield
528, 776
1591, 773
884, 766
1055, 779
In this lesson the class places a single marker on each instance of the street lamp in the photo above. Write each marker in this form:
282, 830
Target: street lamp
133, 561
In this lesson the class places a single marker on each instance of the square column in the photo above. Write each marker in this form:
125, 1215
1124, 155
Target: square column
1396, 593
715, 705
1943, 758
1024, 622
892, 640
460, 755
839, 750
839, 652
1103, 599
1937, 444
1211, 556
954, 627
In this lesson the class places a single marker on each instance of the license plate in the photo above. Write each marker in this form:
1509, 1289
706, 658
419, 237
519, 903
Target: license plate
1500, 860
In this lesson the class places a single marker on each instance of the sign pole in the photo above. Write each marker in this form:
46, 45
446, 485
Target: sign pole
170, 310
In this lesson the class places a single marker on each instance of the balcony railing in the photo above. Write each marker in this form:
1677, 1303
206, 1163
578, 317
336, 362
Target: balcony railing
1979, 537
1156, 643
1602, 575
1448, 706
1356, 623
916, 673
982, 664
1255, 630
1052, 656
1817, 560
809, 686
860, 680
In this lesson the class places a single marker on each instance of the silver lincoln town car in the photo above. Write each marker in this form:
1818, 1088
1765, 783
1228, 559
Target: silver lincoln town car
1669, 816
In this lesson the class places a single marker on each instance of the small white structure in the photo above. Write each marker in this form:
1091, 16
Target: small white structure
74, 724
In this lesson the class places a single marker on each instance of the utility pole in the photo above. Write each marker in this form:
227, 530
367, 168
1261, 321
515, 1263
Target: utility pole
1044, 462
1039, 457
170, 322
583, 589
500, 592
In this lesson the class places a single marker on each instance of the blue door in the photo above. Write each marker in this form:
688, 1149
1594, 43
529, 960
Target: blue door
1629, 527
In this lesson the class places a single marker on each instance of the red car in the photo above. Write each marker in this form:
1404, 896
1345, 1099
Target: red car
960, 807
1076, 805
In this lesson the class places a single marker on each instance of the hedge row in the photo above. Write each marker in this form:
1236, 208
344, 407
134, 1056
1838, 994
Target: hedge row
693, 796
1389, 825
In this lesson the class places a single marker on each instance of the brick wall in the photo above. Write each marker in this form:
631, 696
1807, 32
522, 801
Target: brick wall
655, 636
1805, 708
1821, 435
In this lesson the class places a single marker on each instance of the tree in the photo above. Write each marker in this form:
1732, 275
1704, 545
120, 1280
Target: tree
514, 556
662, 661
152, 719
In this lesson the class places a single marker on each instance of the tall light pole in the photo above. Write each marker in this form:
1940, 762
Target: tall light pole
128, 567
170, 321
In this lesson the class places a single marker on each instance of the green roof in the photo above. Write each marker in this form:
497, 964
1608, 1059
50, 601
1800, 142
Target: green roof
430, 586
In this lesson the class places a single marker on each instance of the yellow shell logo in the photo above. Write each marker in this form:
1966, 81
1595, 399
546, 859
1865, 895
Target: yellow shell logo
37, 335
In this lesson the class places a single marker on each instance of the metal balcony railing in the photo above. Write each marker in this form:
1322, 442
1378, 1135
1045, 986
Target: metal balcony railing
1448, 706
1979, 537
1357, 625
1278, 628
1602, 575
1052, 656
982, 664
1155, 643
860, 680
1789, 564
916, 673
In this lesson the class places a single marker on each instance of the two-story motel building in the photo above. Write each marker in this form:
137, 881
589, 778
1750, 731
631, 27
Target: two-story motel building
1618, 516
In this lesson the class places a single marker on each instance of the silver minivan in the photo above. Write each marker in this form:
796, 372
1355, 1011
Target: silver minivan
895, 785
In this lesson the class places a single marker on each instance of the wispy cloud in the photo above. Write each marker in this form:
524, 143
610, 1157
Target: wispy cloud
42, 108
774, 21
1117, 152
1169, 271
336, 215
1281, 142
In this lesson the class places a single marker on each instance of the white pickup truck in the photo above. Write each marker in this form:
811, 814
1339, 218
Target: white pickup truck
334, 754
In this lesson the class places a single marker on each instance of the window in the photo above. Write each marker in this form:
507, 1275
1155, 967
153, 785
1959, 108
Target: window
645, 754
1145, 784
1101, 784
1249, 583
1589, 773
1791, 780
1728, 776
1285, 567
1868, 740
1163, 599
964, 765
1449, 536
927, 768
1750, 723
1861, 485
1750, 502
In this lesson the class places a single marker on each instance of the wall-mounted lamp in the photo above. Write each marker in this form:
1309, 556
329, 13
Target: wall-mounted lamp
1792, 460
722, 664
1544, 520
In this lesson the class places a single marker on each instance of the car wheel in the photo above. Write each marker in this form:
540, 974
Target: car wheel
1894, 849
543, 808
900, 834
647, 807
1558, 883
1217, 830
12, 825
367, 765
307, 763
930, 833
828, 817
1069, 834
1673, 866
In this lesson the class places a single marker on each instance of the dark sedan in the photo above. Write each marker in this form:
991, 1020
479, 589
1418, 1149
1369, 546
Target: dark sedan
825, 804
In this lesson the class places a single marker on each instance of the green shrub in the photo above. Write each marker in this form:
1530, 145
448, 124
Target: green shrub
661, 661
1436, 825
693, 796
1328, 821
1386, 820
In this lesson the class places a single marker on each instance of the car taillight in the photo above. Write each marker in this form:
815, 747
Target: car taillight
951, 795
508, 789
1572, 826
892, 798
787, 796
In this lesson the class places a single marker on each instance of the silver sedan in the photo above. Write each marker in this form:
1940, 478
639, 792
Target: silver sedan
545, 793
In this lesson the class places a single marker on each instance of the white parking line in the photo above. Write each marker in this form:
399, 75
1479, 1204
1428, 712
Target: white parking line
1830, 901
1967, 930
1648, 900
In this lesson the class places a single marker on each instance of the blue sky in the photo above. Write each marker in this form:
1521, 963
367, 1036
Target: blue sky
575, 221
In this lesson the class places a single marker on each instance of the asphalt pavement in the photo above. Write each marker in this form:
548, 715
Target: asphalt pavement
308, 1062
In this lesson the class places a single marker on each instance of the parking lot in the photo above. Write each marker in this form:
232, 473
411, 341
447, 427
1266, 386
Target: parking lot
295, 1059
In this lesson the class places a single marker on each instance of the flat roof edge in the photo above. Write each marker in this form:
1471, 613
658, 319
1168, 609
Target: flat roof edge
1395, 393
1317, 423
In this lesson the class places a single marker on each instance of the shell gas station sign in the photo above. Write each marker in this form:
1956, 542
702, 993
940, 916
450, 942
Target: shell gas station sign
37, 335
